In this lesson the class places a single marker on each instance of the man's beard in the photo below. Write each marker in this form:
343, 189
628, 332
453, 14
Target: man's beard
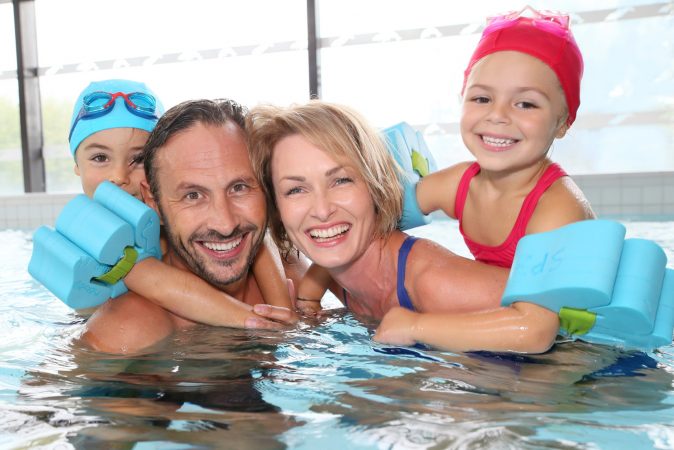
198, 264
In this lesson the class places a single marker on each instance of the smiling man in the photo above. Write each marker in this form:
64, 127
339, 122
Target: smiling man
201, 183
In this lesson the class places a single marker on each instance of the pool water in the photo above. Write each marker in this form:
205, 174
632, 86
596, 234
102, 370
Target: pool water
325, 385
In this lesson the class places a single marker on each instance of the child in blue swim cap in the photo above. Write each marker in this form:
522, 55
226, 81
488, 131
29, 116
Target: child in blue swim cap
110, 124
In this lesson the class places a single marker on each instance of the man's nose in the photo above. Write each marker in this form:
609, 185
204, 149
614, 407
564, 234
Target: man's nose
222, 216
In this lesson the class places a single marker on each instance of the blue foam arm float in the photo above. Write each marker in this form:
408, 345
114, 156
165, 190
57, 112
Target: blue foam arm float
605, 288
93, 246
411, 153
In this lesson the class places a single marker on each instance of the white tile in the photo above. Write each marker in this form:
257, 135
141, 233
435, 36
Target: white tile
652, 195
652, 209
668, 192
630, 195
610, 196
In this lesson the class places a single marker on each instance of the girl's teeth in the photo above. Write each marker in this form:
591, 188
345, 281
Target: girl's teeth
498, 142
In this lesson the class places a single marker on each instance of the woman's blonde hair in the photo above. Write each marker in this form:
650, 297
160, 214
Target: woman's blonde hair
342, 133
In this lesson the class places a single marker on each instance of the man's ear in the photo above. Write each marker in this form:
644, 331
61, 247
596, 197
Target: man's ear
148, 198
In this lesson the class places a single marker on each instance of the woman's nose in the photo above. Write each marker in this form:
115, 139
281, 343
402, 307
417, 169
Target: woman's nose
323, 206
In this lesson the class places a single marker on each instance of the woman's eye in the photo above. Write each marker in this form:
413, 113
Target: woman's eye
481, 100
343, 180
292, 191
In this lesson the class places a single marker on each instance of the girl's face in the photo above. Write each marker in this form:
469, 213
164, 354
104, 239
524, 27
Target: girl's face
112, 155
324, 204
513, 108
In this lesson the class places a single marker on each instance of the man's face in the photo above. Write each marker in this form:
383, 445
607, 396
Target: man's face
211, 205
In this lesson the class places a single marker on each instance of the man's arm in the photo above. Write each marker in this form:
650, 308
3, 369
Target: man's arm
186, 295
127, 325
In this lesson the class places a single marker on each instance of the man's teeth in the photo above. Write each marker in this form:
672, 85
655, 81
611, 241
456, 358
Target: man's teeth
327, 233
498, 142
223, 246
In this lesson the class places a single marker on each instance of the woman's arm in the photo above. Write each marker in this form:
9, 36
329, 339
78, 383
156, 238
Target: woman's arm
188, 296
521, 327
270, 275
315, 282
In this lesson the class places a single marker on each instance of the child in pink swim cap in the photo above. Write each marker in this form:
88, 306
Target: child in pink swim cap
521, 91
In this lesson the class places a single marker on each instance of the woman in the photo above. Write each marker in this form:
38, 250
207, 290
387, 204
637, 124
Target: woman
333, 194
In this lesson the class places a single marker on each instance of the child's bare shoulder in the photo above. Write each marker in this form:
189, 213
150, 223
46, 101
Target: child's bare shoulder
563, 203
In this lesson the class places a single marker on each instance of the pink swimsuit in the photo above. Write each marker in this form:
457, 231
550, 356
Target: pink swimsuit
502, 255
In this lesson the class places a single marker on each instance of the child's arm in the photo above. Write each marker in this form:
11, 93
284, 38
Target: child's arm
437, 191
270, 275
521, 327
188, 296
315, 282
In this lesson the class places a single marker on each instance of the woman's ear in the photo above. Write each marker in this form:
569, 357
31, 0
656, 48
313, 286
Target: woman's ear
77, 170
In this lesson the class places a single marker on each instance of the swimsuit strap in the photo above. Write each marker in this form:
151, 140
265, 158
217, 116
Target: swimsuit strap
462, 190
403, 296
552, 173
344, 294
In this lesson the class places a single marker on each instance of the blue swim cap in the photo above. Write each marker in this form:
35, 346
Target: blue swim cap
118, 117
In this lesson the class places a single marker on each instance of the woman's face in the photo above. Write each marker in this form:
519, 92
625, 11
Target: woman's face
324, 203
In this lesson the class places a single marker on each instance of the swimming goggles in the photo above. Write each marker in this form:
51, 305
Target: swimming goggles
551, 21
99, 103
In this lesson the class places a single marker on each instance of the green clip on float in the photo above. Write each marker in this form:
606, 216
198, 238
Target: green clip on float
411, 153
605, 288
94, 245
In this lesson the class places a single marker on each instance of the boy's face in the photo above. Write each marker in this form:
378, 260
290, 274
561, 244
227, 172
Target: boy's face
112, 155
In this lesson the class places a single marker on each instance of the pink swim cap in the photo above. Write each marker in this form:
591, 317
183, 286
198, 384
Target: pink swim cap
544, 38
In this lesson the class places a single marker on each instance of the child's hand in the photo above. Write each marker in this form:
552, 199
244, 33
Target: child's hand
397, 327
271, 317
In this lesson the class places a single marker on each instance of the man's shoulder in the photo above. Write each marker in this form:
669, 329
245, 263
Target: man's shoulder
127, 324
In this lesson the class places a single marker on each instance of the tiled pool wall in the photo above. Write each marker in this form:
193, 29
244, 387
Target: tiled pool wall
627, 196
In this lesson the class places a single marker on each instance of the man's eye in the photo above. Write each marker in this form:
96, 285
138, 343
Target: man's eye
192, 196
240, 187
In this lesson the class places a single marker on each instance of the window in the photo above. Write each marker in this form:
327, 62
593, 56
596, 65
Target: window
398, 60
11, 169
198, 49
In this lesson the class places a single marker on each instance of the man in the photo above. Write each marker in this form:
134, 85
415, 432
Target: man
201, 183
